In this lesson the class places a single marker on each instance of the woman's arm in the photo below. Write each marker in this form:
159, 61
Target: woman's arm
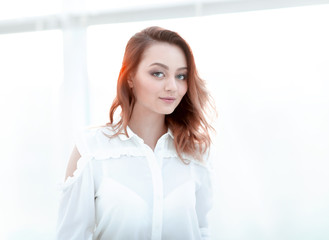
76, 215
204, 201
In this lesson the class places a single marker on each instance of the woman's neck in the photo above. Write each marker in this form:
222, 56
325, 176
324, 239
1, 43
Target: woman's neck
149, 127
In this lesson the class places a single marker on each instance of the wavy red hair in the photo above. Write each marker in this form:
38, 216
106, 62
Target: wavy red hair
188, 122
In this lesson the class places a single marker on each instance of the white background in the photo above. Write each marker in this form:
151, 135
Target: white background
268, 73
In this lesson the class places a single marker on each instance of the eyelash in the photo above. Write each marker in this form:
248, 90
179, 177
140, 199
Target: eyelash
181, 75
156, 74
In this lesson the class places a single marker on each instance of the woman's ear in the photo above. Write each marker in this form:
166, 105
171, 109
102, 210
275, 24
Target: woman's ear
130, 82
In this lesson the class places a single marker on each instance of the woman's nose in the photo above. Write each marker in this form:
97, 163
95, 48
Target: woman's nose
171, 84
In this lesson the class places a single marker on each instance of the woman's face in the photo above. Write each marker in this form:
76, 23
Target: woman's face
160, 81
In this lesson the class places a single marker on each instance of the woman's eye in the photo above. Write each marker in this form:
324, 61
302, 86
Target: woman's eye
181, 76
158, 74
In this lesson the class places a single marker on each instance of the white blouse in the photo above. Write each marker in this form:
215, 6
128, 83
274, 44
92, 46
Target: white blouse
122, 189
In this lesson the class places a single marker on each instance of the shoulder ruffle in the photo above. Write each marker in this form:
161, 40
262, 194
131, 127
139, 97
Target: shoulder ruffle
206, 163
97, 143
171, 152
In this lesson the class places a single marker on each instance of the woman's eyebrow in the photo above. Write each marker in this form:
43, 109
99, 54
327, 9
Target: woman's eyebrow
165, 66
182, 68
160, 64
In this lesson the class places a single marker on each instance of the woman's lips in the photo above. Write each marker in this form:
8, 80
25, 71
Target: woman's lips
168, 99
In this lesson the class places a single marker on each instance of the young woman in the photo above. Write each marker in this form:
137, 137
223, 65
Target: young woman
145, 174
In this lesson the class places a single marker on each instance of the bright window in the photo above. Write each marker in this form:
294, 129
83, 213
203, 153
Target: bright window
18, 8
31, 74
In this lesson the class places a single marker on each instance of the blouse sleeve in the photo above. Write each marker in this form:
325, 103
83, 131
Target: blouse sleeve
204, 202
76, 215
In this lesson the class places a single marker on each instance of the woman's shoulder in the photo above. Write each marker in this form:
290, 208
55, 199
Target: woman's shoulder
102, 142
203, 163
91, 138
94, 130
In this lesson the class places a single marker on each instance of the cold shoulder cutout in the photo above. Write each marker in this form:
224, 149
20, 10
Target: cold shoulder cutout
80, 157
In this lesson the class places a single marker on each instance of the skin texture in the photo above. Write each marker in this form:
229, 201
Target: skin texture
159, 85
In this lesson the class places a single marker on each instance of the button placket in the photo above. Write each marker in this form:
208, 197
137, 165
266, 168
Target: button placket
157, 194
